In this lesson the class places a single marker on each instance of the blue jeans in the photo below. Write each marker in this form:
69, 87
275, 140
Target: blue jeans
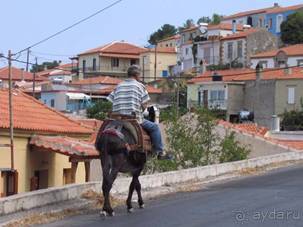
155, 134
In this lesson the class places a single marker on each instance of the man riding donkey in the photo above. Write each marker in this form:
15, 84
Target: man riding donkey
131, 97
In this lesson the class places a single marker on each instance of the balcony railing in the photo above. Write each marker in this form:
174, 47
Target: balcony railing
217, 104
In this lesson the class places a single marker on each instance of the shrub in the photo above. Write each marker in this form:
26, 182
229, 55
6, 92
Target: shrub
99, 110
232, 150
292, 120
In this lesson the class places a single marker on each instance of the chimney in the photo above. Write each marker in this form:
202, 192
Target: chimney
234, 26
275, 123
259, 71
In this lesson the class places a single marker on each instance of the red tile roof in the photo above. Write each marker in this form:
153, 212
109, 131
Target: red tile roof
98, 80
192, 28
255, 130
238, 75
65, 145
175, 37
116, 49
17, 75
32, 116
224, 26
243, 34
167, 50
64, 69
247, 13
283, 9
293, 50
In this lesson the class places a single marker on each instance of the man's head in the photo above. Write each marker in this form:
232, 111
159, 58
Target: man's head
134, 72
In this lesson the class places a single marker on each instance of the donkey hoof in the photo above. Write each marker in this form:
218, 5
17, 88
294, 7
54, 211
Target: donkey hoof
103, 213
142, 206
130, 210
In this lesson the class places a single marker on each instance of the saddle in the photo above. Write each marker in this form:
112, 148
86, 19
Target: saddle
117, 122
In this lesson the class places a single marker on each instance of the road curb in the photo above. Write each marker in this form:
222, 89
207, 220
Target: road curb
29, 200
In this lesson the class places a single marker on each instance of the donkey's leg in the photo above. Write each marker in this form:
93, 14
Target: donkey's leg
130, 195
138, 189
108, 179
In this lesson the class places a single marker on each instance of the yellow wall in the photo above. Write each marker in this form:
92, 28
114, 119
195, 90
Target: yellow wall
164, 60
27, 162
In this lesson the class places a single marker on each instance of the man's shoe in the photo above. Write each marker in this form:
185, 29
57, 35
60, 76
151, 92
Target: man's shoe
162, 156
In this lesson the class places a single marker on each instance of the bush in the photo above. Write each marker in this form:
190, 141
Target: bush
232, 150
99, 110
292, 120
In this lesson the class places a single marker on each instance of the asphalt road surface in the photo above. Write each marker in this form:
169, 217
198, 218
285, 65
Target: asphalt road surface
273, 199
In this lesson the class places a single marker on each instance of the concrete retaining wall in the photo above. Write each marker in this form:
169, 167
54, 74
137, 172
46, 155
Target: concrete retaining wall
30, 200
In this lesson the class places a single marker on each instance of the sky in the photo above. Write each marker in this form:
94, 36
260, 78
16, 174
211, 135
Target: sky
24, 22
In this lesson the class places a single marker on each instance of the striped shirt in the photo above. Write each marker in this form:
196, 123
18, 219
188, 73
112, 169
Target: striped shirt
128, 98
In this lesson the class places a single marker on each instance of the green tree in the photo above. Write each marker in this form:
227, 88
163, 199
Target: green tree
292, 29
216, 19
188, 23
204, 20
99, 110
165, 31
45, 65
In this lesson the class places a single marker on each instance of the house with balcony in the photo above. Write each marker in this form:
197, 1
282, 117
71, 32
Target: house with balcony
284, 57
108, 60
165, 59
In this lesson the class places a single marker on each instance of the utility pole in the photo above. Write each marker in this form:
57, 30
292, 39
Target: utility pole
143, 68
27, 60
10, 101
155, 73
34, 79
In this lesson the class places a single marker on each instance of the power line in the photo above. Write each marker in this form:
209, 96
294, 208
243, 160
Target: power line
54, 55
71, 26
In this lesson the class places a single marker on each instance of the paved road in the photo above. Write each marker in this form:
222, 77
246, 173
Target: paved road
274, 199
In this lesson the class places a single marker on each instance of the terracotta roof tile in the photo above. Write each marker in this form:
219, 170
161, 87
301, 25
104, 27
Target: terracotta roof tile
65, 145
31, 115
175, 37
242, 34
238, 75
98, 80
121, 48
247, 13
293, 50
17, 75
284, 9
224, 26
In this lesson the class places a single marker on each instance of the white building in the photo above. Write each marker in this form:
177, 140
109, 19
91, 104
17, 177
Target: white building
283, 57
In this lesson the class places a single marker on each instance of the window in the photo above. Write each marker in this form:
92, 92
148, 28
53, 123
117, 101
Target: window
167, 45
171, 45
279, 22
240, 49
207, 54
264, 64
183, 38
164, 73
186, 51
300, 62
260, 22
132, 61
94, 64
270, 23
83, 65
291, 95
115, 62
217, 95
52, 102
230, 51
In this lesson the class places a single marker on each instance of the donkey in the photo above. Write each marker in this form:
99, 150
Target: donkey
116, 157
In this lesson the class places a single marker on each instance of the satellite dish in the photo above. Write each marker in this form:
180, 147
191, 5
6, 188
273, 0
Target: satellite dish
203, 28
